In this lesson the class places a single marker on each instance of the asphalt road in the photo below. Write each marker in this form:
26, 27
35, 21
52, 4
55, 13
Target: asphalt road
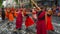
55, 22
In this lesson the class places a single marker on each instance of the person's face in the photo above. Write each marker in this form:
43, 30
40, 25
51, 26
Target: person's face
49, 12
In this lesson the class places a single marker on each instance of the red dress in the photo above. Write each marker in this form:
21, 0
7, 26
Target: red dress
19, 20
29, 22
41, 25
49, 23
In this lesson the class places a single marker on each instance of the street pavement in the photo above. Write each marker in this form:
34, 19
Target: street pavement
56, 23
5, 28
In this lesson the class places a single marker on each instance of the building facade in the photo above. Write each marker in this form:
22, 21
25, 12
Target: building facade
46, 2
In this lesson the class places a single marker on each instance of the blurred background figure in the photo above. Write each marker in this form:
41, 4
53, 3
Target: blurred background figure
3, 14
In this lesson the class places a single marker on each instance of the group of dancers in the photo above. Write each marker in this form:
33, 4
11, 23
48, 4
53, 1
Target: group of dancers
38, 16
42, 18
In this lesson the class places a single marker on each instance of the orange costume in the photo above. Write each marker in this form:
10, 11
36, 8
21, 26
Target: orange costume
15, 13
11, 18
6, 13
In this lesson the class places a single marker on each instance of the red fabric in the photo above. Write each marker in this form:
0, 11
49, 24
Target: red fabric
49, 23
41, 25
19, 21
29, 21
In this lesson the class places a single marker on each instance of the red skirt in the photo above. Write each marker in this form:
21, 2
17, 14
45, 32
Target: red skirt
29, 21
49, 23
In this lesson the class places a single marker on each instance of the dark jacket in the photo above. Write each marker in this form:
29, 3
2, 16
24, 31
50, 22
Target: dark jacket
3, 14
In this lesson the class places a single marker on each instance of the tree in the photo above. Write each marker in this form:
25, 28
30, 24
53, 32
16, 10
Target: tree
0, 3
16, 1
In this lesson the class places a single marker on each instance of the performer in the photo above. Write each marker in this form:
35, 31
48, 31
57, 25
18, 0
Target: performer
41, 23
15, 13
11, 17
34, 12
19, 20
49, 22
3, 14
29, 21
6, 13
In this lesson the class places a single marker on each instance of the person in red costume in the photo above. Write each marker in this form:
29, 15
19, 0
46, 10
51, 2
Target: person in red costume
29, 21
41, 23
49, 20
34, 14
19, 20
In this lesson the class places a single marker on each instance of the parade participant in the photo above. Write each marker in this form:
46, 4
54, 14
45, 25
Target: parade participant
11, 17
41, 24
34, 12
6, 13
19, 20
29, 21
49, 20
3, 14
15, 13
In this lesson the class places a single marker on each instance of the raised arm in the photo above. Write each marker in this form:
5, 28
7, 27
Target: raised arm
35, 5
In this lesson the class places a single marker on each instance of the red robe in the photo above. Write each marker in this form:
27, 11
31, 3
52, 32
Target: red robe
49, 23
41, 25
19, 20
29, 22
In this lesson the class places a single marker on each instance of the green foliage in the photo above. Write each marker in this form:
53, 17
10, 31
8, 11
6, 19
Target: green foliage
16, 1
0, 3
